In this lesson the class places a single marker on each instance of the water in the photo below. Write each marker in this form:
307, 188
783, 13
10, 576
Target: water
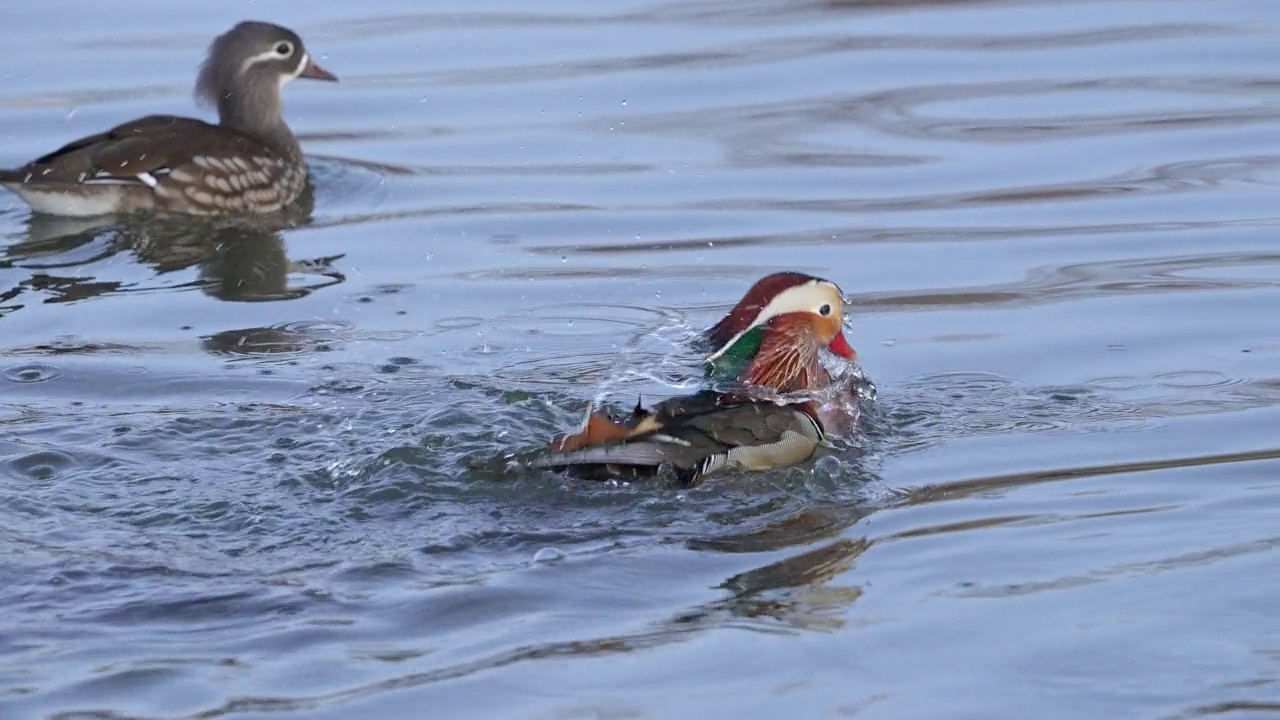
256, 472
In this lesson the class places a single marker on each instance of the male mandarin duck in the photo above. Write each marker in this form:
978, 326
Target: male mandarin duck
249, 162
771, 340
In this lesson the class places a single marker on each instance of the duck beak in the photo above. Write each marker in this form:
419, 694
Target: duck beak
315, 72
840, 346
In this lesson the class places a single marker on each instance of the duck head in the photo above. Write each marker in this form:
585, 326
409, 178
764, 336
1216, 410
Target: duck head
246, 69
790, 312
787, 358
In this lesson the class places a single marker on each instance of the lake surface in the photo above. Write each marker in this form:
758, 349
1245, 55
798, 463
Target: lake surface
257, 473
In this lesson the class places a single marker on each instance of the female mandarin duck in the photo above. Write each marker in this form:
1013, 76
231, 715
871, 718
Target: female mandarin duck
772, 338
249, 162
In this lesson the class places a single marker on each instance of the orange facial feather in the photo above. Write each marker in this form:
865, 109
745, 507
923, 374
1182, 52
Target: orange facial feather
788, 357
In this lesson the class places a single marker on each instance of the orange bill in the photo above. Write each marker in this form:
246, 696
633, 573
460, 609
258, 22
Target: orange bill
840, 346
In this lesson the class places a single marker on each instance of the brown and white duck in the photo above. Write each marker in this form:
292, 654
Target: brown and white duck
249, 162
776, 334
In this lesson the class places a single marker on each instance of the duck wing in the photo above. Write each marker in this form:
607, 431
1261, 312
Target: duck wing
141, 151
700, 434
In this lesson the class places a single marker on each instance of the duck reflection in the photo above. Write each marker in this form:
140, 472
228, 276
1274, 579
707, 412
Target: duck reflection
237, 259
258, 341
243, 265
278, 340
796, 591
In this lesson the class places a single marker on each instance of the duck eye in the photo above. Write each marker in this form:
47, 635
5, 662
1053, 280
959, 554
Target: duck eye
284, 49
825, 310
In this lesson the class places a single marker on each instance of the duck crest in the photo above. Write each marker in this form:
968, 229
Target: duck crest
752, 303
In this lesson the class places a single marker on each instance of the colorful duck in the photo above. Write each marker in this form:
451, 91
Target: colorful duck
770, 341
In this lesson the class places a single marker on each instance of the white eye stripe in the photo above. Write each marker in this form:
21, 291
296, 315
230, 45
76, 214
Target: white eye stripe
273, 55
807, 297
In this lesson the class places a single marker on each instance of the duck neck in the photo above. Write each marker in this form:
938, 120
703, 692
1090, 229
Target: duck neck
256, 109
787, 362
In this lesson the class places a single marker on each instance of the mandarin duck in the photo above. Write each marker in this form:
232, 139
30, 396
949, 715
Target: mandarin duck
249, 162
776, 334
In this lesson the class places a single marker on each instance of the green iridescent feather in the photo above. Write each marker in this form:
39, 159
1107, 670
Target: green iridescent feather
729, 364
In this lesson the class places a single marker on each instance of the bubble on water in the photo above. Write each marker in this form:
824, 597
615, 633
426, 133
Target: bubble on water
548, 555
829, 466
